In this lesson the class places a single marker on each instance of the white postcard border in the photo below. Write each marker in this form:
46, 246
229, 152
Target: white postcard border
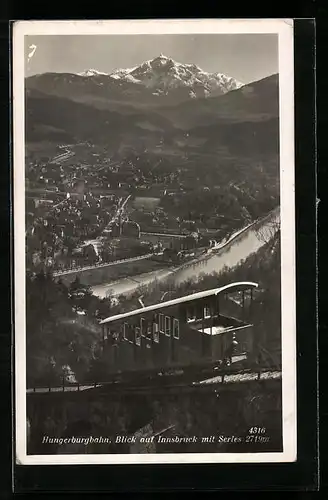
284, 29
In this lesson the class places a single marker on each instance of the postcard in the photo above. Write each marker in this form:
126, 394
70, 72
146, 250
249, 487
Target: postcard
154, 252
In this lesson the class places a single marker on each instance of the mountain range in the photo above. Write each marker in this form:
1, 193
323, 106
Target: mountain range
160, 81
240, 122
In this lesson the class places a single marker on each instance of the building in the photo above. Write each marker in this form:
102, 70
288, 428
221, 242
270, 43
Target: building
130, 229
201, 328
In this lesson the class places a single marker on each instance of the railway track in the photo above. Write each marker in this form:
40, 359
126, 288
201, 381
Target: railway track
202, 381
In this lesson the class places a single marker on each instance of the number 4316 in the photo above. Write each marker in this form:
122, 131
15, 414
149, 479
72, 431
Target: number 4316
257, 430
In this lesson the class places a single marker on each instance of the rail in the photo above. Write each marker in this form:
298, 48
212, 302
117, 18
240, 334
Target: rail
220, 378
156, 233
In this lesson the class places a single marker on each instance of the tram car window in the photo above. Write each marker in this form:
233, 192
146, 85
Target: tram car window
243, 347
207, 312
161, 323
167, 326
138, 336
176, 328
191, 316
116, 336
142, 327
155, 332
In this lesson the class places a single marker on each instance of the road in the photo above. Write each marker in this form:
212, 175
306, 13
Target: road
99, 266
120, 210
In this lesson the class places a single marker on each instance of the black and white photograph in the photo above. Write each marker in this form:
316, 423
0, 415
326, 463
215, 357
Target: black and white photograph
154, 241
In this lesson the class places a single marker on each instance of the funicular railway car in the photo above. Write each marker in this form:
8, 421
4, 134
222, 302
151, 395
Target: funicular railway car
209, 327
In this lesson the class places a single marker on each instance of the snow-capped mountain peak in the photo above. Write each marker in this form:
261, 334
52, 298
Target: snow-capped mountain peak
160, 80
164, 74
122, 71
92, 72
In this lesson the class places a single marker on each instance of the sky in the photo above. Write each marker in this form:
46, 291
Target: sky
245, 57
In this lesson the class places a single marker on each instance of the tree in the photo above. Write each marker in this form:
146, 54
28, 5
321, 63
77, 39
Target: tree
80, 295
56, 335
104, 308
270, 231
90, 254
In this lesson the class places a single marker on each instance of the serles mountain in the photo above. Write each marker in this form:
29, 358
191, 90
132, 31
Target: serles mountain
158, 82
163, 74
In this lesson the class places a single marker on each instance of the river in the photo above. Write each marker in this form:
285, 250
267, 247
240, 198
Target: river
239, 246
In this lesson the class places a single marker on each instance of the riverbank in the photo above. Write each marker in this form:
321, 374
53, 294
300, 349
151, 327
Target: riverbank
106, 274
226, 242
226, 254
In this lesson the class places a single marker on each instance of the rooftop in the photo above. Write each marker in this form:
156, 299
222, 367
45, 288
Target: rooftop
232, 287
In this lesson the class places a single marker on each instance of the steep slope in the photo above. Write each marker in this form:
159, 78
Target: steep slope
56, 118
255, 102
242, 138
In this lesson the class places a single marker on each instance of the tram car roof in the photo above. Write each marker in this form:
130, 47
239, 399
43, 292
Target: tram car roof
232, 287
